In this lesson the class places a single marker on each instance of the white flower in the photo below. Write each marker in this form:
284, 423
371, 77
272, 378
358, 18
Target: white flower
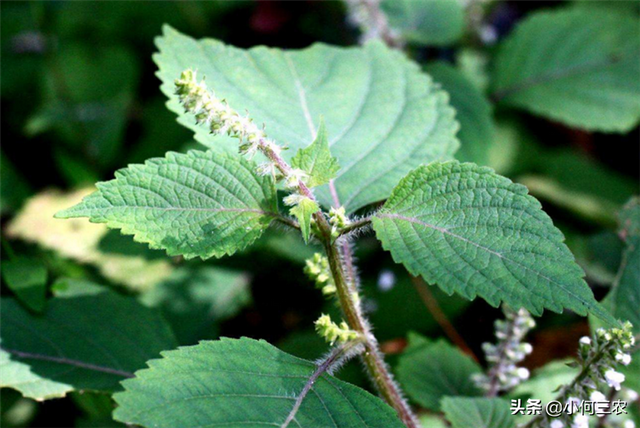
629, 424
614, 379
294, 178
556, 424
624, 359
527, 348
585, 340
597, 396
293, 199
522, 373
630, 395
580, 421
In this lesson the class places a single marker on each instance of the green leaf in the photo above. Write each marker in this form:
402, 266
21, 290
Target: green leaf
194, 301
624, 298
27, 278
376, 103
429, 371
14, 187
426, 22
473, 232
478, 412
303, 212
88, 338
201, 204
577, 66
316, 160
473, 111
243, 382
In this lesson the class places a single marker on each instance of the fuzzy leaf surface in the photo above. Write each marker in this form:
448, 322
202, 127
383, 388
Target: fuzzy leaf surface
473, 232
376, 103
89, 338
201, 204
316, 160
577, 66
243, 383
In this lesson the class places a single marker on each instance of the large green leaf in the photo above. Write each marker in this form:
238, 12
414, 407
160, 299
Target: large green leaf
383, 115
243, 383
199, 204
88, 338
473, 111
429, 371
578, 66
471, 231
426, 22
194, 301
478, 412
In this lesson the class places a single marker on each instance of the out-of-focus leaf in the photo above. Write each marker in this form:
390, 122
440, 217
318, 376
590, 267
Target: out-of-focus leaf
473, 111
545, 381
14, 188
381, 297
194, 301
27, 278
478, 412
599, 254
289, 246
578, 66
89, 338
87, 95
17, 411
580, 185
631, 7
514, 149
426, 22
78, 239
429, 371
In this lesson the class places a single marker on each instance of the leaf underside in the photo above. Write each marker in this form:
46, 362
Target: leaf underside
243, 383
201, 204
577, 66
383, 115
473, 232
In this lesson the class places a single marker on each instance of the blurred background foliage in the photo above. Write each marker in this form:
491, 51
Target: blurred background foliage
80, 99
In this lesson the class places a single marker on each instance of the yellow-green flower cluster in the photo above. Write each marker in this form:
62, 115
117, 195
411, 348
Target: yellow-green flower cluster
317, 269
338, 219
333, 332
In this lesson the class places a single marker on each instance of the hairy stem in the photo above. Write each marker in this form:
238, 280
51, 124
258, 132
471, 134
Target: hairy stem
372, 356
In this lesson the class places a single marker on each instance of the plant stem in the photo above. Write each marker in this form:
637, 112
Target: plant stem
434, 308
372, 356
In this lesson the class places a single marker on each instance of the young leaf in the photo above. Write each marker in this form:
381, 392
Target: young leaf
316, 160
244, 382
194, 301
471, 231
429, 371
88, 338
426, 22
27, 278
478, 412
578, 66
473, 111
201, 204
376, 103
303, 212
